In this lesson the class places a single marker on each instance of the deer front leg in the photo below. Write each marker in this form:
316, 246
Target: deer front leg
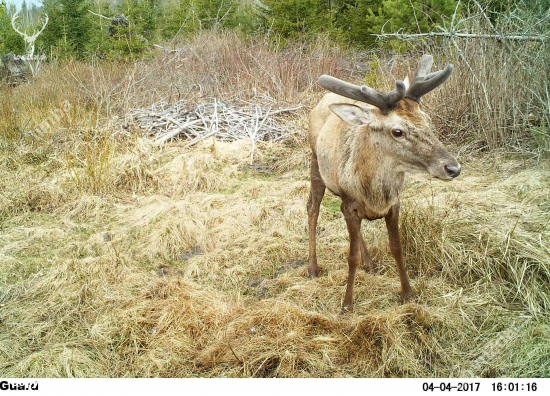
316, 194
392, 224
353, 221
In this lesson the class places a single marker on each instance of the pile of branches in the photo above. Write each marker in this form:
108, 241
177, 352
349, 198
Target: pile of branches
224, 121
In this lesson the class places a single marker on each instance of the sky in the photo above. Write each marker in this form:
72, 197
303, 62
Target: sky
19, 2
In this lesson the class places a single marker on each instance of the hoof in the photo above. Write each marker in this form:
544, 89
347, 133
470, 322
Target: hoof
345, 310
369, 269
314, 273
407, 297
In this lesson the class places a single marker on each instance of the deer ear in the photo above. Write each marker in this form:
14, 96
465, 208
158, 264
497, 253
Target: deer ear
352, 114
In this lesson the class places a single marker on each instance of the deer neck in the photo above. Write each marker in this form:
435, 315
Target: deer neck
379, 182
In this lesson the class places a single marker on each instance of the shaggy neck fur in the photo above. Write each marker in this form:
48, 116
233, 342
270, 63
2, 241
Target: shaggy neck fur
368, 175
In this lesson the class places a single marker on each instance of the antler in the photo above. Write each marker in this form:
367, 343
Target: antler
46, 20
386, 102
422, 82
13, 19
28, 39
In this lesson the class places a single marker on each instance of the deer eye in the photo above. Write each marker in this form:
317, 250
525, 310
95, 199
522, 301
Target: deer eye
397, 133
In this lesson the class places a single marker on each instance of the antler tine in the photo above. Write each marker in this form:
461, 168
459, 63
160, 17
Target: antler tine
386, 102
13, 19
424, 66
422, 82
46, 20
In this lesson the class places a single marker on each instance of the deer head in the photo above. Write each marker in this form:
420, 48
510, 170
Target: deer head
398, 128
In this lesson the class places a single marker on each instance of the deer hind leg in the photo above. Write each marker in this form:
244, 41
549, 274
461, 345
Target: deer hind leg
365, 256
316, 194
356, 255
392, 224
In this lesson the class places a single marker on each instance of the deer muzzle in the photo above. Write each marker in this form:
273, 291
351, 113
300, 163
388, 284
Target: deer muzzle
453, 170
444, 166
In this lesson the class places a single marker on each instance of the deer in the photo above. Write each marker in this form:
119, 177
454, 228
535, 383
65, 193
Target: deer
363, 141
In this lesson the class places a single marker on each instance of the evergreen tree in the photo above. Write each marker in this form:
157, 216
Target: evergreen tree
188, 16
143, 15
216, 13
69, 28
410, 16
10, 41
178, 18
132, 37
294, 18
354, 20
24, 14
100, 43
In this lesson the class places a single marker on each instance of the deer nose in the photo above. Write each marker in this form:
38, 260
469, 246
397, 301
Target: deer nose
453, 171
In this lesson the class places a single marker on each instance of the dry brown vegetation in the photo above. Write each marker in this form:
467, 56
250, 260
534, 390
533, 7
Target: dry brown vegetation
122, 258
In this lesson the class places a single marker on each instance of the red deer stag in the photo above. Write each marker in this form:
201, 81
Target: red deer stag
363, 141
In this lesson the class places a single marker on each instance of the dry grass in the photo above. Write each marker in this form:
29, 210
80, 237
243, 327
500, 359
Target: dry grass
202, 273
122, 259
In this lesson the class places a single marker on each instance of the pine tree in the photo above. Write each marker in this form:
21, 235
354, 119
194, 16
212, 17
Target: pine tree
10, 41
143, 14
216, 13
354, 20
69, 26
294, 18
134, 37
100, 42
183, 17
178, 18
24, 14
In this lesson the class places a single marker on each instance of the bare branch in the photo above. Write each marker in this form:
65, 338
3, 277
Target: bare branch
226, 121
99, 15
451, 34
